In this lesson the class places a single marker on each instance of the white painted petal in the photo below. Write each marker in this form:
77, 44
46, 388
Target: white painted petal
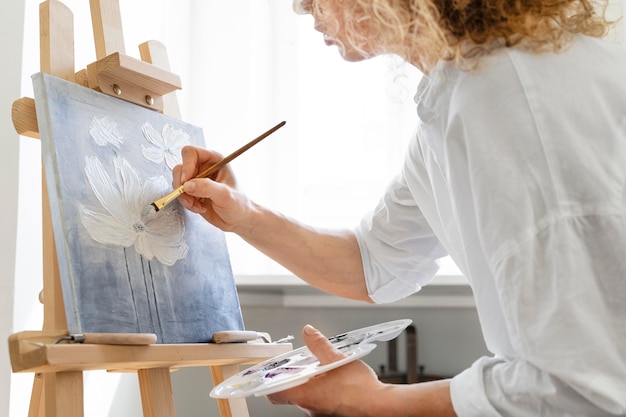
173, 135
166, 234
103, 187
104, 131
169, 255
166, 252
131, 190
172, 159
152, 135
175, 138
163, 237
166, 231
153, 154
143, 247
169, 132
155, 187
104, 228
98, 136
168, 226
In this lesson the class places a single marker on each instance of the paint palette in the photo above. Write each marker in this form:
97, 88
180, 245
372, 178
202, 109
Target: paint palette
298, 366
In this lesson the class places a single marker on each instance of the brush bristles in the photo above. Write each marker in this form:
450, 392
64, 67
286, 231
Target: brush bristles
162, 202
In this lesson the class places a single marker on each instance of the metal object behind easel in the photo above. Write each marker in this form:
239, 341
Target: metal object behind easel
415, 372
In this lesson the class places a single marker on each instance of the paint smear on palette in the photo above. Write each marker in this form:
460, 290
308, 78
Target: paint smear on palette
298, 366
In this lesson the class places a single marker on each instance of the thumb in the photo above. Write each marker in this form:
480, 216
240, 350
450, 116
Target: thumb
320, 346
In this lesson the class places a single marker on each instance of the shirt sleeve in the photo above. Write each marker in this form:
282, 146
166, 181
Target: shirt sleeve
399, 250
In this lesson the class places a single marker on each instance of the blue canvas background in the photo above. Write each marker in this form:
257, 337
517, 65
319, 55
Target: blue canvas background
110, 288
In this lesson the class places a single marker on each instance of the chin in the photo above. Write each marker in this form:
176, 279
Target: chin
347, 53
354, 57
351, 55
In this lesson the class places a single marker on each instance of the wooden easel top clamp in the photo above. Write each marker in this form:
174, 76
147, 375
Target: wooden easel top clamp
147, 82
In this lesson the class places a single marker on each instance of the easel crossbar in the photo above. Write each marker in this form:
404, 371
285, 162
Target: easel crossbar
28, 355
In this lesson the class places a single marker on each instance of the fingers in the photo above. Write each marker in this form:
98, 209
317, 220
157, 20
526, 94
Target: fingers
176, 173
194, 161
202, 188
214, 197
319, 345
192, 204
198, 191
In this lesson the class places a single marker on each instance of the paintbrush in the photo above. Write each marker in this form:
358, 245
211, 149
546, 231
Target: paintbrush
164, 201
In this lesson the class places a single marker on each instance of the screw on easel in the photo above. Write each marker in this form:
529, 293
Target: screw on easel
149, 100
117, 90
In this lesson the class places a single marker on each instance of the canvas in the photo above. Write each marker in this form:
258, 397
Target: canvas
125, 268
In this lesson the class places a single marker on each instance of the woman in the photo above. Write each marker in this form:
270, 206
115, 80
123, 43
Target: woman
518, 172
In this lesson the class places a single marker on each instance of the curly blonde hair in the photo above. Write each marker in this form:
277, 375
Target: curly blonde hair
426, 31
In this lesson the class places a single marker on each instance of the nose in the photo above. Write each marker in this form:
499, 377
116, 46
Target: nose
302, 7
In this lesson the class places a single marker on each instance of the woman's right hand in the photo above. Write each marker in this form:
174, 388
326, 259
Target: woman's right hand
217, 199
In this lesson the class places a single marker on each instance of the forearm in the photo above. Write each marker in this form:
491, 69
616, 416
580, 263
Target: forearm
424, 399
327, 259
430, 399
366, 397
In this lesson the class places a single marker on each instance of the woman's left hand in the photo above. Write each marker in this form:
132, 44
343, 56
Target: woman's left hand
340, 392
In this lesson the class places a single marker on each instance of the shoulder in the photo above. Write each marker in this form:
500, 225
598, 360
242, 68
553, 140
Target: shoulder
448, 89
510, 72
513, 85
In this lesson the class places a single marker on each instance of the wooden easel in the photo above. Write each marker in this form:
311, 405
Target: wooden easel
58, 384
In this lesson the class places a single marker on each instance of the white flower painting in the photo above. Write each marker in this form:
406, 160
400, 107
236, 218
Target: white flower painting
166, 145
125, 267
125, 218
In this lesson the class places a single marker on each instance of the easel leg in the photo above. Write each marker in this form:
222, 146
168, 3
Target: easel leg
63, 394
229, 408
156, 392
37, 397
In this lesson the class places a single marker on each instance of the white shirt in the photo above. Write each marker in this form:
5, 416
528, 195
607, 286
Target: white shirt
518, 171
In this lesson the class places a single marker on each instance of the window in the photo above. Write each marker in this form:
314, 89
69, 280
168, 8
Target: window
348, 124
246, 66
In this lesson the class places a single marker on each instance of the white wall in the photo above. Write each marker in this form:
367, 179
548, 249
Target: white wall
11, 27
